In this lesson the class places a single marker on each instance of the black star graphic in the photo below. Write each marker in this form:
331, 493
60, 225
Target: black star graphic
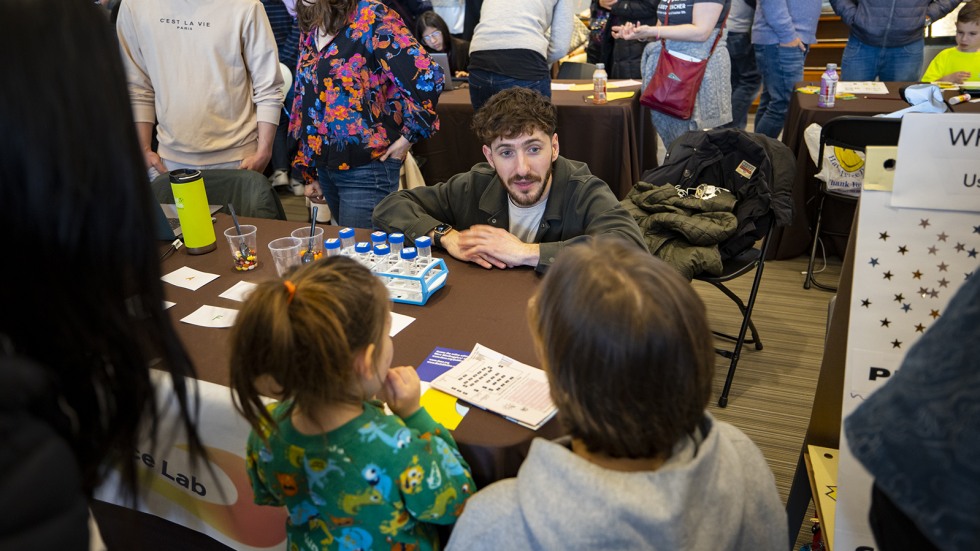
976, 229
885, 322
917, 275
865, 303
941, 236
919, 328
896, 343
883, 236
933, 250
899, 297
972, 253
906, 307
924, 222
874, 262
943, 282
934, 313
960, 247
942, 266
887, 275
923, 291
933, 294
903, 249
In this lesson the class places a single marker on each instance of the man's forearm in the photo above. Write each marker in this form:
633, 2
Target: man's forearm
267, 135
144, 133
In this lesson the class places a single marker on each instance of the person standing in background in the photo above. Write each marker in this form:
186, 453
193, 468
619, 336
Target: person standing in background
621, 57
365, 92
208, 75
886, 39
515, 45
285, 27
690, 28
781, 34
745, 73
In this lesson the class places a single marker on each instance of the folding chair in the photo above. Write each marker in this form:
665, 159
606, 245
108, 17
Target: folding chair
759, 171
752, 259
851, 132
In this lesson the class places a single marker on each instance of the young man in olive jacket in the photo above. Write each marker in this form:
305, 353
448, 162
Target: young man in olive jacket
523, 205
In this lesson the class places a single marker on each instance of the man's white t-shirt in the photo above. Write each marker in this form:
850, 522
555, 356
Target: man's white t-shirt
525, 221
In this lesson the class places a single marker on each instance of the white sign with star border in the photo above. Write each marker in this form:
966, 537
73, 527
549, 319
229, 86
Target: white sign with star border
908, 263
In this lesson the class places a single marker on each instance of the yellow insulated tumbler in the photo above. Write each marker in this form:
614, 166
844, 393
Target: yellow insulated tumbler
192, 209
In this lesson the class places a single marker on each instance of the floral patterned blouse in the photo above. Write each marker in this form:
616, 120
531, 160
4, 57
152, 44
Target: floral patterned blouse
370, 85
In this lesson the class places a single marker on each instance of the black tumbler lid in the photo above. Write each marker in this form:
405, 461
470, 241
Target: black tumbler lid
184, 175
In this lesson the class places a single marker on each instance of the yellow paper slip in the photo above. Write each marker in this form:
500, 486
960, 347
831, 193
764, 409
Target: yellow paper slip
824, 462
442, 408
612, 96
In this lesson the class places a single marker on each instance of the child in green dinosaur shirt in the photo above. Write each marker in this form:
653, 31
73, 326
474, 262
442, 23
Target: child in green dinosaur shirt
350, 476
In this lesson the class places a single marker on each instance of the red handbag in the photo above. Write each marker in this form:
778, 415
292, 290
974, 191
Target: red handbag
673, 89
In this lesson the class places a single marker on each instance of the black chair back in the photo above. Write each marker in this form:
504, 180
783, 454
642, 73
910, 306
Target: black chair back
857, 133
572, 70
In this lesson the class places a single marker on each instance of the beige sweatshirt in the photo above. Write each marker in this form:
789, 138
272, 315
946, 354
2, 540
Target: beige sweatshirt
207, 71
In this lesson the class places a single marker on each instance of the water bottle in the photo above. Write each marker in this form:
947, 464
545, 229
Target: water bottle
331, 246
347, 239
828, 86
396, 241
191, 202
599, 79
424, 246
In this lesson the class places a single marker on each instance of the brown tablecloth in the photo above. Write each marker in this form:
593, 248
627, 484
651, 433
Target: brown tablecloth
617, 139
476, 305
794, 240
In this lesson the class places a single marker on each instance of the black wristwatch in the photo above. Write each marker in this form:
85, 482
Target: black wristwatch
438, 232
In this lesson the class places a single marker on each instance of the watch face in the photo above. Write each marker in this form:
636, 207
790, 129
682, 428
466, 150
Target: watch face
443, 229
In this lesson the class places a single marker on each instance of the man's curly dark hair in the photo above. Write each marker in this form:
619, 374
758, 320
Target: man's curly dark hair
513, 112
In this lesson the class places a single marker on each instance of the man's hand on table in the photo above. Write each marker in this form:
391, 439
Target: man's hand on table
495, 246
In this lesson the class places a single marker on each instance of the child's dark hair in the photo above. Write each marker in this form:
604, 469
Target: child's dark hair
626, 345
297, 338
513, 112
969, 13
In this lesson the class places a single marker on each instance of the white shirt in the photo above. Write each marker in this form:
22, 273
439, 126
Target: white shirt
525, 221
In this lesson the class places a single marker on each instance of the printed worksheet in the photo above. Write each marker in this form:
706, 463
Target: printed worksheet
494, 382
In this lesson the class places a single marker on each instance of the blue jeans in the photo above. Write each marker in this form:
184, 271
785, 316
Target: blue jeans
352, 194
484, 84
863, 62
781, 69
745, 77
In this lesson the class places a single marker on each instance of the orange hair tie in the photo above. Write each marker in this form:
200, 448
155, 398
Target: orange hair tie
291, 288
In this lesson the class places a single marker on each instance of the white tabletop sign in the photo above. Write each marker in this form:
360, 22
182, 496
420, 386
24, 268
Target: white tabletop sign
938, 162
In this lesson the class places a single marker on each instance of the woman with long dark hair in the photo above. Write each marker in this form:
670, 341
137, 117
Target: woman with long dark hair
434, 33
365, 92
82, 320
